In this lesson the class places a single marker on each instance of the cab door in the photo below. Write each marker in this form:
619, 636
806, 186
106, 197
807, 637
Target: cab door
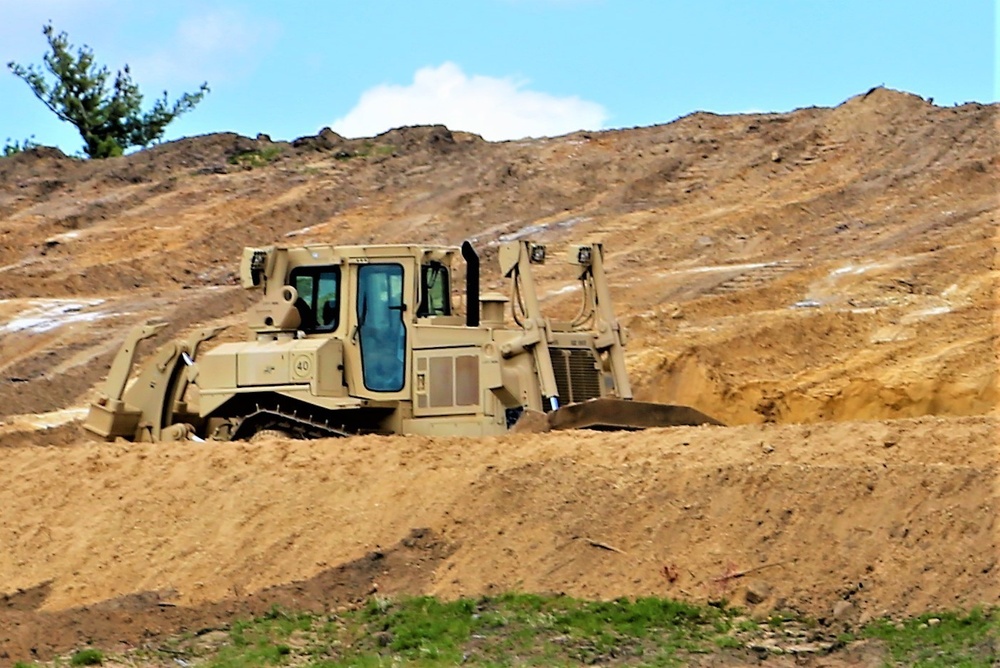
380, 338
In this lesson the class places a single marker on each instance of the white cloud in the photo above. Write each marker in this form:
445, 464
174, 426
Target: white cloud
496, 108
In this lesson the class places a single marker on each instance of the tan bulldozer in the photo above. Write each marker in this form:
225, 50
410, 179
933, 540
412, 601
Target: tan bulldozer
367, 339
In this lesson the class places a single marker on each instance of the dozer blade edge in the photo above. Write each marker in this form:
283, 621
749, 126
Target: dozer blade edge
613, 414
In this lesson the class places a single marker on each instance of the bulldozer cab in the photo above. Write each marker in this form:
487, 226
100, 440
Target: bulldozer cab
366, 297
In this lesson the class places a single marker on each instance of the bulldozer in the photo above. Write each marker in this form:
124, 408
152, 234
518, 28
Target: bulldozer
350, 340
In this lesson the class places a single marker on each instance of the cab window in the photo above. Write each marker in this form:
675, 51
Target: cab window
319, 297
381, 328
435, 290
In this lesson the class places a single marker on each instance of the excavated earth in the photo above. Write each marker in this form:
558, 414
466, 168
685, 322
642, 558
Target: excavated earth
823, 281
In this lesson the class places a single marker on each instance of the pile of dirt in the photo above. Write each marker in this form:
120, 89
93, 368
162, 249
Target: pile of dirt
825, 279
128, 540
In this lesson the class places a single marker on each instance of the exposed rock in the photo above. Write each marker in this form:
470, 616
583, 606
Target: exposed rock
844, 611
757, 591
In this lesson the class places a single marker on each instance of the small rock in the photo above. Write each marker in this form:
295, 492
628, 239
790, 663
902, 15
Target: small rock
757, 592
212, 640
806, 303
330, 137
933, 621
843, 611
810, 648
766, 646
767, 448
775, 156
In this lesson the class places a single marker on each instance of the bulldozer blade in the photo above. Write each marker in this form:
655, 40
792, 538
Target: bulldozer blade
619, 414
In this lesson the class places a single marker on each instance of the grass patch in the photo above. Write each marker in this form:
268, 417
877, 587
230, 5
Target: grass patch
513, 629
264, 641
953, 640
367, 149
87, 657
255, 157
533, 630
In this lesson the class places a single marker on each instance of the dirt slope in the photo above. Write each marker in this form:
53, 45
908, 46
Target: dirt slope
829, 270
895, 517
792, 267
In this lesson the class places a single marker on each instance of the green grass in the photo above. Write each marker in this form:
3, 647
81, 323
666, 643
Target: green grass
952, 640
256, 157
263, 641
513, 629
87, 657
367, 149
534, 630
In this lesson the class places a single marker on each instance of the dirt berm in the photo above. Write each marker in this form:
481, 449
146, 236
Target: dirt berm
895, 517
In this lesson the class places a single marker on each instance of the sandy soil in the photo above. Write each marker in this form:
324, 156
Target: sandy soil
825, 281
896, 517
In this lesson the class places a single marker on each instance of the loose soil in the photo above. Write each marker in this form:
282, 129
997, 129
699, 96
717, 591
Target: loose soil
824, 281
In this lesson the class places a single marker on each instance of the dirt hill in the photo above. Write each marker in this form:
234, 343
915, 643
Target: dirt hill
831, 271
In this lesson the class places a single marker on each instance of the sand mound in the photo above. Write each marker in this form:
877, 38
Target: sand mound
896, 517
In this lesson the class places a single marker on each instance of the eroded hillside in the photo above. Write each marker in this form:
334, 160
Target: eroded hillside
790, 267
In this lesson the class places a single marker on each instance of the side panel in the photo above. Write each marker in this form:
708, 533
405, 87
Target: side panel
263, 367
217, 367
329, 375
444, 336
454, 426
313, 366
447, 381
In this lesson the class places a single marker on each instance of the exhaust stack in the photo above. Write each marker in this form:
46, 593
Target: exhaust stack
471, 284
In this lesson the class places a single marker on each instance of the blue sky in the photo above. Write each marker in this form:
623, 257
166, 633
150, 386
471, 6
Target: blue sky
502, 68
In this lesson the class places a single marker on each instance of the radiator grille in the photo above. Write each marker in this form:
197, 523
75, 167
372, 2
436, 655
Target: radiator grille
577, 376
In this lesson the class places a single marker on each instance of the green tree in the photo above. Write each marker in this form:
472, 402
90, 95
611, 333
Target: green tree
107, 112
